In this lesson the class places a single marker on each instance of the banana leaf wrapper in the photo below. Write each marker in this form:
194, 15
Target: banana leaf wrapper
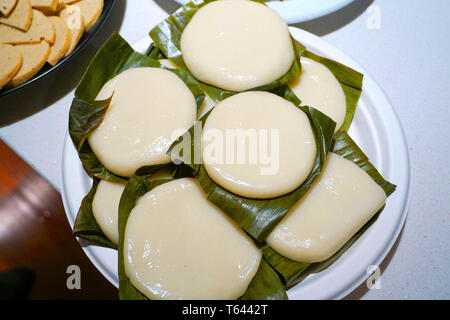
154, 53
257, 216
266, 285
167, 35
351, 82
86, 226
293, 272
86, 114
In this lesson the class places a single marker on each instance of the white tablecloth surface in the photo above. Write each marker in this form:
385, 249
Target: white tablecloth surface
408, 56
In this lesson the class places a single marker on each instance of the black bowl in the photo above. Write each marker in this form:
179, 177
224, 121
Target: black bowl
87, 36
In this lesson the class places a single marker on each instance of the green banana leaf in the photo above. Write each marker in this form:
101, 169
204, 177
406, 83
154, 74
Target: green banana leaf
350, 80
265, 285
167, 35
258, 216
154, 53
86, 114
344, 146
86, 226
291, 271
84, 118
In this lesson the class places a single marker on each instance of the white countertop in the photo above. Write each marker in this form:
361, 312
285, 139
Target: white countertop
407, 56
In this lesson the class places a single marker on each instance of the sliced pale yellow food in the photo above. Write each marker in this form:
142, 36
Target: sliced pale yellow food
90, 10
178, 245
21, 17
49, 5
258, 145
105, 207
74, 20
318, 87
62, 40
237, 45
10, 62
149, 106
34, 57
6, 6
68, 1
41, 29
339, 203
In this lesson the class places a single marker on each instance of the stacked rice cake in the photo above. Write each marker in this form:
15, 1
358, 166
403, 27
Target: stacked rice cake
36, 32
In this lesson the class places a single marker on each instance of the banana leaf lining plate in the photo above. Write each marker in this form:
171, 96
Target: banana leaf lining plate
375, 128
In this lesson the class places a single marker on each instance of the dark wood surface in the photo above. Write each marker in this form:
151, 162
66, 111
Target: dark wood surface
35, 234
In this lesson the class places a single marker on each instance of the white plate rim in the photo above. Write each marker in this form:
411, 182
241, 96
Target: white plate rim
296, 11
402, 177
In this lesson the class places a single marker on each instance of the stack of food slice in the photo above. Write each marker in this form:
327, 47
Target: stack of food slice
33, 32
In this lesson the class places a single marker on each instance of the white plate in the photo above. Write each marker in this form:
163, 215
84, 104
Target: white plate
377, 131
295, 11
